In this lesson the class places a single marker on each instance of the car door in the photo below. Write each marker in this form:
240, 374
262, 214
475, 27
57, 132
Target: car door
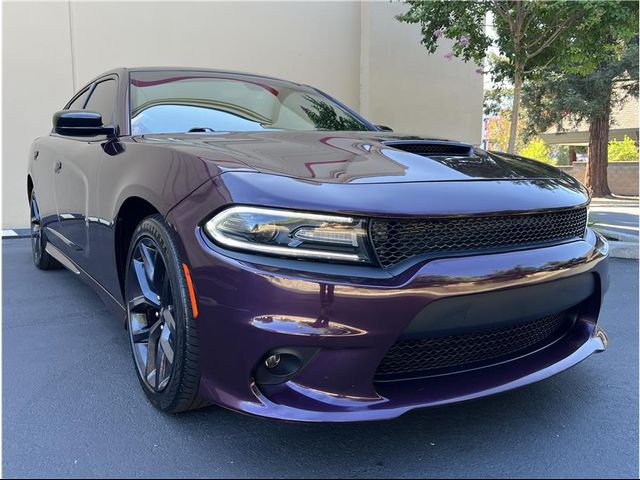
76, 175
45, 154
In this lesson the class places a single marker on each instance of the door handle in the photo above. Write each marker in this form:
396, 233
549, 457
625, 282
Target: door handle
58, 166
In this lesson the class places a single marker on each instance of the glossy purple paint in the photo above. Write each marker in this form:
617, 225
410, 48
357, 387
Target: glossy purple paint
250, 304
364, 315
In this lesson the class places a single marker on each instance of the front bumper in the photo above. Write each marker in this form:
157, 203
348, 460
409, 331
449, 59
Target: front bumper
249, 309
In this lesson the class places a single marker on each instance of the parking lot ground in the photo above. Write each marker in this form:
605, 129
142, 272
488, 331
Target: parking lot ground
72, 407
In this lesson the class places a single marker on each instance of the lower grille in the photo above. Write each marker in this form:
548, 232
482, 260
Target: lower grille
429, 355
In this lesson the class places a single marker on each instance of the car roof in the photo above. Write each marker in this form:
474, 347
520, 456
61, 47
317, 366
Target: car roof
125, 70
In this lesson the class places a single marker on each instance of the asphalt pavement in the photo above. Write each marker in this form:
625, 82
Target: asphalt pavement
72, 407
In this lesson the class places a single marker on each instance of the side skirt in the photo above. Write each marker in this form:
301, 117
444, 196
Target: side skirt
104, 295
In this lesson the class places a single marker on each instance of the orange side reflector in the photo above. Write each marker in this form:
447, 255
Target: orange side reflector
192, 294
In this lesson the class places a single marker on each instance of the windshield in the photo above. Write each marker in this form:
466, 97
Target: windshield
178, 102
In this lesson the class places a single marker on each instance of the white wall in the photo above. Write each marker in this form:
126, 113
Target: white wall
308, 42
412, 91
36, 80
357, 52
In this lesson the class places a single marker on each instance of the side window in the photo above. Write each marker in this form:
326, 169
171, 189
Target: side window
103, 100
78, 103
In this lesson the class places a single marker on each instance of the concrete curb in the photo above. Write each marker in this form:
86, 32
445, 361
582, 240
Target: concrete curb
16, 233
596, 208
615, 201
627, 250
622, 237
621, 245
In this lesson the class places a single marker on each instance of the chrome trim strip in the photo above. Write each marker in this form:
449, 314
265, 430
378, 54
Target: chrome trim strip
63, 238
62, 258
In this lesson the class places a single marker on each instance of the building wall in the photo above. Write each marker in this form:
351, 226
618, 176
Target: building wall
36, 80
622, 176
354, 51
412, 91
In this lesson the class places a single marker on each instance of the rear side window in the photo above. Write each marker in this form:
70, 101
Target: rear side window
103, 100
78, 103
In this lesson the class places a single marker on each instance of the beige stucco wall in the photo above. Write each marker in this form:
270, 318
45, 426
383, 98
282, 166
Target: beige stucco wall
355, 51
36, 79
411, 91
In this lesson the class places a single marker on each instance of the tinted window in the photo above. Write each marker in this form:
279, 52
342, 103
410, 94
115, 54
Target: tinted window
103, 100
172, 102
78, 103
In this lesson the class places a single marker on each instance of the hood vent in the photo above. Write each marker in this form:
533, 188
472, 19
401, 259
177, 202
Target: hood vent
428, 149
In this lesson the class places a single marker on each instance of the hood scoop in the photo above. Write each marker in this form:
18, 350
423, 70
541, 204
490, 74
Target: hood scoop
433, 148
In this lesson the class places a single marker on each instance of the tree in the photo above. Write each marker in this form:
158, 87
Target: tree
528, 34
555, 97
531, 147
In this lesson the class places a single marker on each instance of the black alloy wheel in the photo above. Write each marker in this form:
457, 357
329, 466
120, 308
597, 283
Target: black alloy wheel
162, 329
152, 327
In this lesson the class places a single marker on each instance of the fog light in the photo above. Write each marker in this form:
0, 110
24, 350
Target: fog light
282, 364
272, 361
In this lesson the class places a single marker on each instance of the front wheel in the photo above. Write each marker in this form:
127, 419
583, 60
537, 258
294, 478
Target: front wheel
160, 321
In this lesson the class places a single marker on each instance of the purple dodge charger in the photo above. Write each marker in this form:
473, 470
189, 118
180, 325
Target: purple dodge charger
271, 251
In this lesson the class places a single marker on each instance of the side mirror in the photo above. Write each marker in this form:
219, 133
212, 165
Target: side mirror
384, 128
81, 123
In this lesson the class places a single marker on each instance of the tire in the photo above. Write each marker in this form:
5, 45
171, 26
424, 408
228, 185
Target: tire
41, 257
162, 330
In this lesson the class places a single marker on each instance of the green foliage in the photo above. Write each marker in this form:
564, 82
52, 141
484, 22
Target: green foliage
565, 99
573, 37
624, 150
454, 20
600, 70
528, 34
603, 33
538, 150
498, 100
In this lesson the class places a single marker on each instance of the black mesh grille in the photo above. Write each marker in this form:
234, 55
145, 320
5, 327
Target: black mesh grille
397, 240
432, 148
431, 354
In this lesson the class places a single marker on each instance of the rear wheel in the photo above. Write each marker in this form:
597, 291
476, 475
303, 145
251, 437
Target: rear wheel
41, 257
160, 320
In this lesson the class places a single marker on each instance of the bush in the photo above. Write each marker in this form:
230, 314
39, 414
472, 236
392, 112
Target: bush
625, 150
538, 150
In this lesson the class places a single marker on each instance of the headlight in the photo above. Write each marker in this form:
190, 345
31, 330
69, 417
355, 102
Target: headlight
291, 234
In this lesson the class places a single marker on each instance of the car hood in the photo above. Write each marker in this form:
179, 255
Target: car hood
355, 157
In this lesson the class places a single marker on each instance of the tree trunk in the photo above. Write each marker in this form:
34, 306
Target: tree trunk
572, 155
515, 111
596, 179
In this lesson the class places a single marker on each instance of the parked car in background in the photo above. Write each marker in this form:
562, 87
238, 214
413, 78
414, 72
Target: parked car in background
271, 251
